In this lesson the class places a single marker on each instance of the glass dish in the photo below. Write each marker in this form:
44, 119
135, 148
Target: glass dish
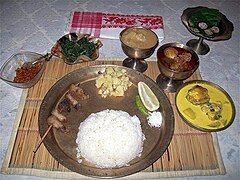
8, 69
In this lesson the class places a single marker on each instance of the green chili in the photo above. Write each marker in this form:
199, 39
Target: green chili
140, 106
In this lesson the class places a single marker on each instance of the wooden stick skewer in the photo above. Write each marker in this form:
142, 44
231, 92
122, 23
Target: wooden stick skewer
39, 143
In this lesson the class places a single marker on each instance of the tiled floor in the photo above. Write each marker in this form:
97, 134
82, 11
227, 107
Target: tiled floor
35, 25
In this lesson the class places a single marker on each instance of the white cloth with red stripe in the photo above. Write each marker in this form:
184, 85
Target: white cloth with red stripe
108, 25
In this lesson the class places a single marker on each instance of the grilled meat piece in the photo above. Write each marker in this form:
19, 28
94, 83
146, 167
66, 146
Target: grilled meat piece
77, 92
60, 117
64, 106
53, 120
73, 101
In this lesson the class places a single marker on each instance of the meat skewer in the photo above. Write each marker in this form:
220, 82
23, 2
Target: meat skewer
56, 119
52, 121
40, 142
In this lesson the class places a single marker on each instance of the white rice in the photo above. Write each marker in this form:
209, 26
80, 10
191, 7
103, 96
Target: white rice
110, 138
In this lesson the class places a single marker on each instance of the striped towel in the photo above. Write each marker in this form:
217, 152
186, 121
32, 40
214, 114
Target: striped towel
106, 25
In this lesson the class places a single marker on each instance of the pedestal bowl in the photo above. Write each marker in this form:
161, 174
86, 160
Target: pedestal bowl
138, 43
176, 63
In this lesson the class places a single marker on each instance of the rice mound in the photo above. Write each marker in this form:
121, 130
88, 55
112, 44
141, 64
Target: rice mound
110, 138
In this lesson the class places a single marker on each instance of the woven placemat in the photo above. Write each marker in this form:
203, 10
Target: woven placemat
191, 152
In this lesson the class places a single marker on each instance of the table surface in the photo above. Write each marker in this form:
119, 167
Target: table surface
35, 25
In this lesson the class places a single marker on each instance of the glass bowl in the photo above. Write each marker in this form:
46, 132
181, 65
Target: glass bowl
21, 60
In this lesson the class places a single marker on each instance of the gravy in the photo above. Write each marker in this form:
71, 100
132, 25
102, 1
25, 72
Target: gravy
139, 38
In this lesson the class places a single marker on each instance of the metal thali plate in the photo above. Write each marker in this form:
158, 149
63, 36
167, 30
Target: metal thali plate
62, 146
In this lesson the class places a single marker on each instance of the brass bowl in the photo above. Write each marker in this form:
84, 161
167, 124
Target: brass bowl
226, 28
176, 75
169, 79
137, 55
75, 37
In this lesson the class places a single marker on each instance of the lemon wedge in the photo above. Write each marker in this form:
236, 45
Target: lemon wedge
148, 98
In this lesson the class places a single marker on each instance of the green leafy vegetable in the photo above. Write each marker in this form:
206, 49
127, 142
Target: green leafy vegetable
210, 16
73, 49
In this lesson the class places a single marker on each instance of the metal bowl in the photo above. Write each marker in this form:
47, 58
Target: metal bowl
226, 26
137, 53
176, 75
8, 70
74, 38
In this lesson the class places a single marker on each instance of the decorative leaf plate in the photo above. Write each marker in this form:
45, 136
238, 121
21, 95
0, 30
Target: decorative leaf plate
76, 48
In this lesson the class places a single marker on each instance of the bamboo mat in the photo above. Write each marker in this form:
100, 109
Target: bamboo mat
191, 152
